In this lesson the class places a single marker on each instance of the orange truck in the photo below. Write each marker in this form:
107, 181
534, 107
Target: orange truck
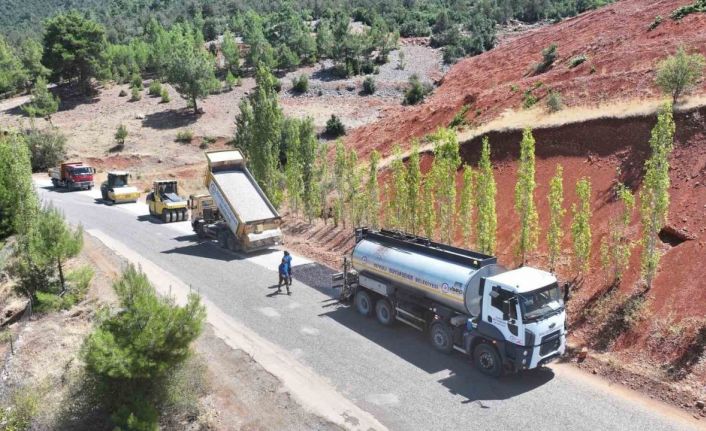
72, 176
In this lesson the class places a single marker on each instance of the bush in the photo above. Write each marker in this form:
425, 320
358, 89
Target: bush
460, 117
679, 73
136, 82
22, 407
549, 55
278, 85
576, 60
369, 85
133, 353
554, 102
416, 92
47, 148
155, 89
43, 103
122, 93
528, 99
230, 80
165, 95
136, 94
681, 12
334, 127
655, 23
120, 135
301, 84
184, 136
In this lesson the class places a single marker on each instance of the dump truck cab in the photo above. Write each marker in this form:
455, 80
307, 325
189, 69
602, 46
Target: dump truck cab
203, 211
72, 176
116, 189
164, 201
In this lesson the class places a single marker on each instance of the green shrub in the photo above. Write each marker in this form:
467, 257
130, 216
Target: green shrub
18, 413
369, 85
47, 148
122, 93
576, 60
301, 84
80, 279
416, 92
528, 99
165, 95
681, 12
43, 103
155, 89
184, 136
136, 94
136, 82
514, 88
120, 135
230, 80
655, 23
554, 103
278, 86
549, 55
334, 127
460, 117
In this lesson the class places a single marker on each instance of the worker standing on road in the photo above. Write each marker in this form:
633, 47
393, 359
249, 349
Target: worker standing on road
284, 277
288, 260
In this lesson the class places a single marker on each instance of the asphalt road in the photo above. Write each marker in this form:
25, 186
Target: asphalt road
393, 373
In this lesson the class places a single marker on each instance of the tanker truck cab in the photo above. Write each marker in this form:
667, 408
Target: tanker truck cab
522, 316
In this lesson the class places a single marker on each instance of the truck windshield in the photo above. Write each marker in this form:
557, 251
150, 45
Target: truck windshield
81, 171
541, 303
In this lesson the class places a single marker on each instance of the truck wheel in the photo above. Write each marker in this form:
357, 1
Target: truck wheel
165, 216
233, 243
487, 360
198, 228
54, 183
363, 303
441, 337
183, 215
384, 312
104, 195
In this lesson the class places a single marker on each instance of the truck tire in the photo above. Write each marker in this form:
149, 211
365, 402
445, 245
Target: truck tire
384, 312
487, 360
233, 243
165, 216
198, 228
441, 337
54, 183
363, 302
184, 215
104, 194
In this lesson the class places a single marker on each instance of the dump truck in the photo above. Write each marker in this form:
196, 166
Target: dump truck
236, 211
115, 188
506, 320
72, 176
165, 203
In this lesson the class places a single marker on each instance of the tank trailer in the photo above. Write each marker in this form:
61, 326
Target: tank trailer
506, 320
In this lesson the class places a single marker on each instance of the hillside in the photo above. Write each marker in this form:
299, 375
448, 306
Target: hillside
621, 55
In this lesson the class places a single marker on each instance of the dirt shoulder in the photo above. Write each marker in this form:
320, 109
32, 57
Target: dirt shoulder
238, 394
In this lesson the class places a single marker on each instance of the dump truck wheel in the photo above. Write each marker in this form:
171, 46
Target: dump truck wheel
165, 216
198, 228
233, 243
363, 303
441, 337
487, 360
384, 312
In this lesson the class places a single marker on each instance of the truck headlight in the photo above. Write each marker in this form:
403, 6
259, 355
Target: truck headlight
525, 352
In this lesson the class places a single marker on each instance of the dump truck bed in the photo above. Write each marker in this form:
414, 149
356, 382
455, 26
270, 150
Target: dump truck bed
244, 195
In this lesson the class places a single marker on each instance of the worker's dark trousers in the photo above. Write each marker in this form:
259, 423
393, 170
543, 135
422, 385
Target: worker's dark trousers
283, 279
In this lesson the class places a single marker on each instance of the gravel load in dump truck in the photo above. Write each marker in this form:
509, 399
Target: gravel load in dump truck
249, 204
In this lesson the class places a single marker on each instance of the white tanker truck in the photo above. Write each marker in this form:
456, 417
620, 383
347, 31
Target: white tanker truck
506, 320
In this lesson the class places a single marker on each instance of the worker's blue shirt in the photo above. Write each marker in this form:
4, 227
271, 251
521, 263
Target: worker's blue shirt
288, 262
283, 269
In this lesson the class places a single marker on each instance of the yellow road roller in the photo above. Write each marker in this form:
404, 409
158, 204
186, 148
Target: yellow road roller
164, 201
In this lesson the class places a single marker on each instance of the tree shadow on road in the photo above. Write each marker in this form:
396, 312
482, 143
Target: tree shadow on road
414, 347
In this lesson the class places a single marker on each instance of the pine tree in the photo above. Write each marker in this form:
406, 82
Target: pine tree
231, 52
339, 181
43, 103
485, 202
465, 206
654, 196
524, 198
413, 180
55, 241
397, 195
191, 71
427, 215
581, 226
556, 215
617, 247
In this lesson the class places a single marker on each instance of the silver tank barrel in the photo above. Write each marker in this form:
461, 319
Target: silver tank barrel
450, 283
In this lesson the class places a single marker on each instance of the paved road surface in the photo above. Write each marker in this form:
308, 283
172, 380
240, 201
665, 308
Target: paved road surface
392, 373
